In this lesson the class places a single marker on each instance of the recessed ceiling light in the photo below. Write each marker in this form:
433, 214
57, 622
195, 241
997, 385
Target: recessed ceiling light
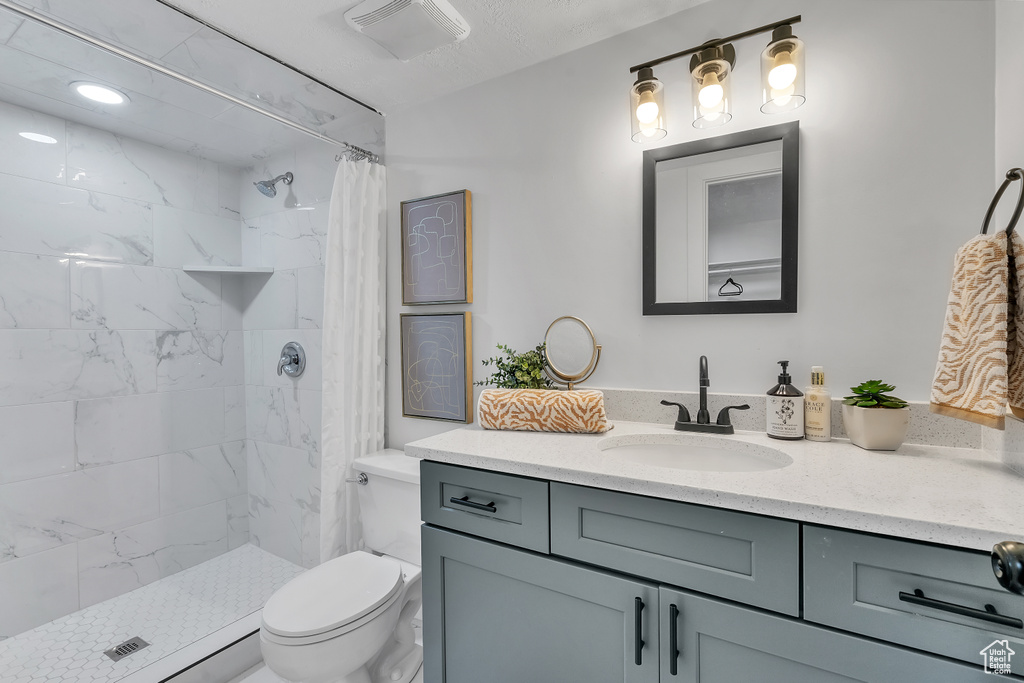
99, 93
39, 137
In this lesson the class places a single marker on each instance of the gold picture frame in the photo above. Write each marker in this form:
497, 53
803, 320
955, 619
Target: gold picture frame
437, 366
437, 249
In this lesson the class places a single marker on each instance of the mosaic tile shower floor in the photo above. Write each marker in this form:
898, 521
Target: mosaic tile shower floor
168, 614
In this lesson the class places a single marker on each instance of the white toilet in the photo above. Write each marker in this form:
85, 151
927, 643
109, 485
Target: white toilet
349, 620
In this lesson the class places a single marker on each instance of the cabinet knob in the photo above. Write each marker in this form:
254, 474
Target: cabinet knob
1008, 565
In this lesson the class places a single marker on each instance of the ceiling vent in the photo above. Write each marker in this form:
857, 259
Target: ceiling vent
407, 28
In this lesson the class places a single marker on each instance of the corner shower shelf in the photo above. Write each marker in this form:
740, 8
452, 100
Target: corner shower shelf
229, 270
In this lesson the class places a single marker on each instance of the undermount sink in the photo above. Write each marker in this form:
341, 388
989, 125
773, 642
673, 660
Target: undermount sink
691, 452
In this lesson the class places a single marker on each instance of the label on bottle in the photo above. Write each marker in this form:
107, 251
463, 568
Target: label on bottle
818, 415
785, 417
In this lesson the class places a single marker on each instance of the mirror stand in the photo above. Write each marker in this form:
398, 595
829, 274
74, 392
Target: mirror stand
571, 382
571, 351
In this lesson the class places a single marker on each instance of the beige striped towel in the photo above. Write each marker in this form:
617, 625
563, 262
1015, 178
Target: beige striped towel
543, 410
981, 361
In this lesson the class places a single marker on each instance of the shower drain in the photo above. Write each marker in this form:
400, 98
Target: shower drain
126, 648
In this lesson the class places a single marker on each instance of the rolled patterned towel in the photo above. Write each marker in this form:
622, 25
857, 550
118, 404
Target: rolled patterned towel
543, 410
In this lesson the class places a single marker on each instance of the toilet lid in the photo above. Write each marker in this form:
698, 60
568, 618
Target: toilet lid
331, 595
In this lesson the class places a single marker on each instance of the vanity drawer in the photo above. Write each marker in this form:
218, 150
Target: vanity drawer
741, 557
902, 591
501, 507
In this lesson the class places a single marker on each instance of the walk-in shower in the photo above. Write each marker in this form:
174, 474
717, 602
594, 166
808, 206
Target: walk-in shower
267, 187
158, 479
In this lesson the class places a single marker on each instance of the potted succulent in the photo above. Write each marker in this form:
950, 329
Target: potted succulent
874, 419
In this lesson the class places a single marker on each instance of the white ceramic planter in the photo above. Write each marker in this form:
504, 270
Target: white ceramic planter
876, 429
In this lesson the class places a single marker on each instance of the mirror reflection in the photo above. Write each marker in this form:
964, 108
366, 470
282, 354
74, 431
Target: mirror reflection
720, 225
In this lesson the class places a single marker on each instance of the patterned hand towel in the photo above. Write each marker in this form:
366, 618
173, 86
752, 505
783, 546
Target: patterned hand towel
543, 410
981, 361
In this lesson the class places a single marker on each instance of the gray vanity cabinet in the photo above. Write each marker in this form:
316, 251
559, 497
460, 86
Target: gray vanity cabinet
747, 558
718, 642
934, 598
532, 581
501, 615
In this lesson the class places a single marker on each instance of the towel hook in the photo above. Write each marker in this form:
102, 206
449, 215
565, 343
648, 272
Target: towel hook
1011, 175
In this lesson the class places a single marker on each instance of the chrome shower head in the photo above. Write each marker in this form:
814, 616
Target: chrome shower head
266, 187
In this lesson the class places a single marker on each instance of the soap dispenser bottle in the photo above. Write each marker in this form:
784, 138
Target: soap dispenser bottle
818, 407
785, 408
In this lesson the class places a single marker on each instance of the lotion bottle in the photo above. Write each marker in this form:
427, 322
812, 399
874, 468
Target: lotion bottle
818, 407
785, 408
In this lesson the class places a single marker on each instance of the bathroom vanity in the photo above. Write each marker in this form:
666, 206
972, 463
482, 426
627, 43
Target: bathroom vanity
548, 557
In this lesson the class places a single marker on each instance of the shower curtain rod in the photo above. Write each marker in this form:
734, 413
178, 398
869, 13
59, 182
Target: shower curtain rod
32, 15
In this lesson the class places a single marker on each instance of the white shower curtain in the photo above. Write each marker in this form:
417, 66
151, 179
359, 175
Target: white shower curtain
353, 347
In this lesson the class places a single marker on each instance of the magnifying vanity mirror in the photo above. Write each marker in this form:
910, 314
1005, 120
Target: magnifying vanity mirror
571, 350
720, 224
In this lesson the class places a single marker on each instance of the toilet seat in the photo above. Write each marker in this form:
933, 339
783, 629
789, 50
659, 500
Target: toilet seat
332, 599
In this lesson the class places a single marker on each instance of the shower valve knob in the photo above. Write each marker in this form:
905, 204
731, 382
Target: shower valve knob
293, 360
1008, 565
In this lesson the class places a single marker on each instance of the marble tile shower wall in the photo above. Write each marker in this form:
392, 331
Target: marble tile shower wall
283, 415
122, 403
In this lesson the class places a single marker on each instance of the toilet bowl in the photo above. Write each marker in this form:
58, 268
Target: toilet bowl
347, 621
350, 620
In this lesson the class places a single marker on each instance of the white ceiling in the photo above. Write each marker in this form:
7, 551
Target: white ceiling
505, 35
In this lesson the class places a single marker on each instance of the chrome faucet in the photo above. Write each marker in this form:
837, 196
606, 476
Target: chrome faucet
703, 424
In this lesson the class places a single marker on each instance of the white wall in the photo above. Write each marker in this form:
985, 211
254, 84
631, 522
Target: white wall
1009, 100
895, 175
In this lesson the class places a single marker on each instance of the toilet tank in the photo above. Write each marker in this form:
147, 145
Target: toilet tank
389, 504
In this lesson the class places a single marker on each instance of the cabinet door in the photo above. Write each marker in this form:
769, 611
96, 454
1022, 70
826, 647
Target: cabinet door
719, 642
492, 613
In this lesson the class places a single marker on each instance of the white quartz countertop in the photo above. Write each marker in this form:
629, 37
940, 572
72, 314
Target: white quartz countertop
953, 496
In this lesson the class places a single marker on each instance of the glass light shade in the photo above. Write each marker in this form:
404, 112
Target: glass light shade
712, 99
782, 74
647, 108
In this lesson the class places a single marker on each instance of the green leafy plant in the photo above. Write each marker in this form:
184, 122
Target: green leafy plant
514, 370
872, 394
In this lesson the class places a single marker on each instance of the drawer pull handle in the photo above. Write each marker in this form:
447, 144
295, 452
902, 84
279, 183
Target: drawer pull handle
988, 614
673, 639
639, 632
466, 502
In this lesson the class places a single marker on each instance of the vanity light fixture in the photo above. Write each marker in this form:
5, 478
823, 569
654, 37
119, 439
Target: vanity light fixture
711, 66
782, 72
647, 107
99, 93
712, 99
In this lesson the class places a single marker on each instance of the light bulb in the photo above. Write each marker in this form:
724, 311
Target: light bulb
783, 73
647, 110
647, 128
781, 97
99, 93
39, 137
711, 91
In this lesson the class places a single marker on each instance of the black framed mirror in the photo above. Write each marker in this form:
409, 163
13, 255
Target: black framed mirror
720, 224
